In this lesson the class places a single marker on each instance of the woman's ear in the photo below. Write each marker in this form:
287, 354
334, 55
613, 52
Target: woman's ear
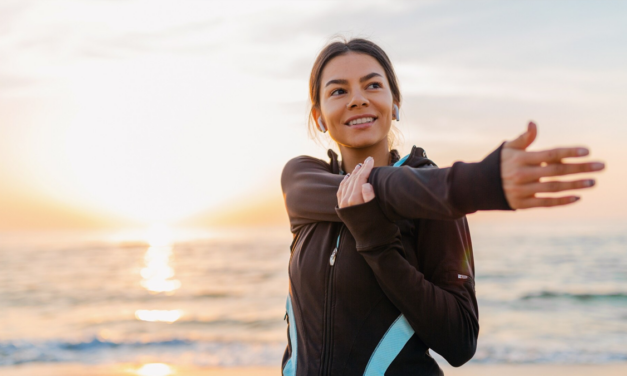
317, 115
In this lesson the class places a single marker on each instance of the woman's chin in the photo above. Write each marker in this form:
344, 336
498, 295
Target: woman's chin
361, 142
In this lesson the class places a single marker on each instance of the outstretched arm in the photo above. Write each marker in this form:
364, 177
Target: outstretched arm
310, 189
508, 178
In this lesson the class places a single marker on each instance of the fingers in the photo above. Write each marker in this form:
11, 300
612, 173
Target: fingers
350, 195
367, 168
341, 191
521, 172
523, 141
358, 178
361, 175
527, 190
529, 174
545, 202
351, 191
553, 155
367, 192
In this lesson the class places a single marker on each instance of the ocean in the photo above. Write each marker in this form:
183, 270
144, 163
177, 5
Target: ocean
547, 294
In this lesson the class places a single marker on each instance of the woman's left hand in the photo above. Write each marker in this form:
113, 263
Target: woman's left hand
355, 189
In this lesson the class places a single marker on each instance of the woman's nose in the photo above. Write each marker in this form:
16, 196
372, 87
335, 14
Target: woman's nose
357, 101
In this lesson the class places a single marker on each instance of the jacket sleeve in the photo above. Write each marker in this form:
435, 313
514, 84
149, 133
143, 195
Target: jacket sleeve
440, 307
309, 190
441, 193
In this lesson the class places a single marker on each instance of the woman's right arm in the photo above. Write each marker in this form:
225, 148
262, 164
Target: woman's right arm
309, 191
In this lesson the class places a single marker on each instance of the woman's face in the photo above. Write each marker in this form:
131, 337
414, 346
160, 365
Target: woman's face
355, 101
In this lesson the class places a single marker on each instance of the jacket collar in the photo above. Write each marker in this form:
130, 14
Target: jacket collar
417, 158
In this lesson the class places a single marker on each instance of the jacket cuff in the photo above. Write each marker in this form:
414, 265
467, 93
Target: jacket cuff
484, 189
368, 225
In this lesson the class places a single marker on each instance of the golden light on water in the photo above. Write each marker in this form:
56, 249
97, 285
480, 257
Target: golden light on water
155, 369
156, 315
157, 274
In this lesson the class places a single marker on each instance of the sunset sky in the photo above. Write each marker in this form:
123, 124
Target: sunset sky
116, 113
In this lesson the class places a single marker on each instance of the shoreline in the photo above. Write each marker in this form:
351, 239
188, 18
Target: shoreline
159, 369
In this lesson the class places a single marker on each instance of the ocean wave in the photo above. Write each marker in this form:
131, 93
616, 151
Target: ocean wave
224, 354
524, 354
222, 322
575, 296
96, 344
95, 351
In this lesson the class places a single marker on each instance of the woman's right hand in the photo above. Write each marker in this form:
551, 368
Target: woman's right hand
354, 188
522, 171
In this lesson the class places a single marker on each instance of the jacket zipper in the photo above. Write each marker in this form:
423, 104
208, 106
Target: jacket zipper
325, 369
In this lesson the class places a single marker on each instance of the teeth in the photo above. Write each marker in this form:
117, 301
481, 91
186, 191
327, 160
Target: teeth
361, 120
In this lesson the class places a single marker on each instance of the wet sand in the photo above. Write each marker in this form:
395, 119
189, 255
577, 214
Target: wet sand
137, 370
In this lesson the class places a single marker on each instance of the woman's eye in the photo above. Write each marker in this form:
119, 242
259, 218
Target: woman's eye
375, 85
337, 92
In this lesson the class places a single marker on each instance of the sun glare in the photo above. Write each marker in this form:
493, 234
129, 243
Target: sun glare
155, 315
159, 235
155, 369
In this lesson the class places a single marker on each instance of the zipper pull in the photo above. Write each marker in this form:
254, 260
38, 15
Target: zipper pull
337, 245
332, 258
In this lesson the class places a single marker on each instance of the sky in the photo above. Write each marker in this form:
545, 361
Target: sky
123, 113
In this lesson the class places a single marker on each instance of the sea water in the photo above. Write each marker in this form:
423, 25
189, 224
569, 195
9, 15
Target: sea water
547, 294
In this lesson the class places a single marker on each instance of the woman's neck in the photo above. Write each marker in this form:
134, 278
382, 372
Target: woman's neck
352, 156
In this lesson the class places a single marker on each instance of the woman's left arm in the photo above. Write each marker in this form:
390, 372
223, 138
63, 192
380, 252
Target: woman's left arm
442, 310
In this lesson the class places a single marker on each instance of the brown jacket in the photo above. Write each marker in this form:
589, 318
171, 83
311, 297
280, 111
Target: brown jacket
405, 257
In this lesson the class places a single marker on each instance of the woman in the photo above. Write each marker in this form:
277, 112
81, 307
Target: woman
381, 267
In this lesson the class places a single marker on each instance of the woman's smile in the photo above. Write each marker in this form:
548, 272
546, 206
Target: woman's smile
361, 121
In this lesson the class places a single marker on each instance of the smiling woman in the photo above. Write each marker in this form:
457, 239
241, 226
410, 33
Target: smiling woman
370, 78
341, 102
381, 268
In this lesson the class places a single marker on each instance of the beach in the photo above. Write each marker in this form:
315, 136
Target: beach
468, 370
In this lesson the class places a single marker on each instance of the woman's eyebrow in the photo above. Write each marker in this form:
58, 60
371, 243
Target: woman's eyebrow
369, 76
338, 81
345, 82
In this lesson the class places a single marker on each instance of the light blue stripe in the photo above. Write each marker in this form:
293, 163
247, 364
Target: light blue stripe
389, 347
290, 366
401, 161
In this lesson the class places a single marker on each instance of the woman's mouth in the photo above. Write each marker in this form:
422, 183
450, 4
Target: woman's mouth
361, 122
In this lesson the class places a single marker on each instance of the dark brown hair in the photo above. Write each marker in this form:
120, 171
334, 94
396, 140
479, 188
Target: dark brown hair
343, 47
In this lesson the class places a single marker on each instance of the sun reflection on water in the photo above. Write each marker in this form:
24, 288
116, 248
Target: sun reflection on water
155, 369
158, 274
155, 315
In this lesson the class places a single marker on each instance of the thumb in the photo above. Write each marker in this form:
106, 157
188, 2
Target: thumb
367, 192
524, 140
